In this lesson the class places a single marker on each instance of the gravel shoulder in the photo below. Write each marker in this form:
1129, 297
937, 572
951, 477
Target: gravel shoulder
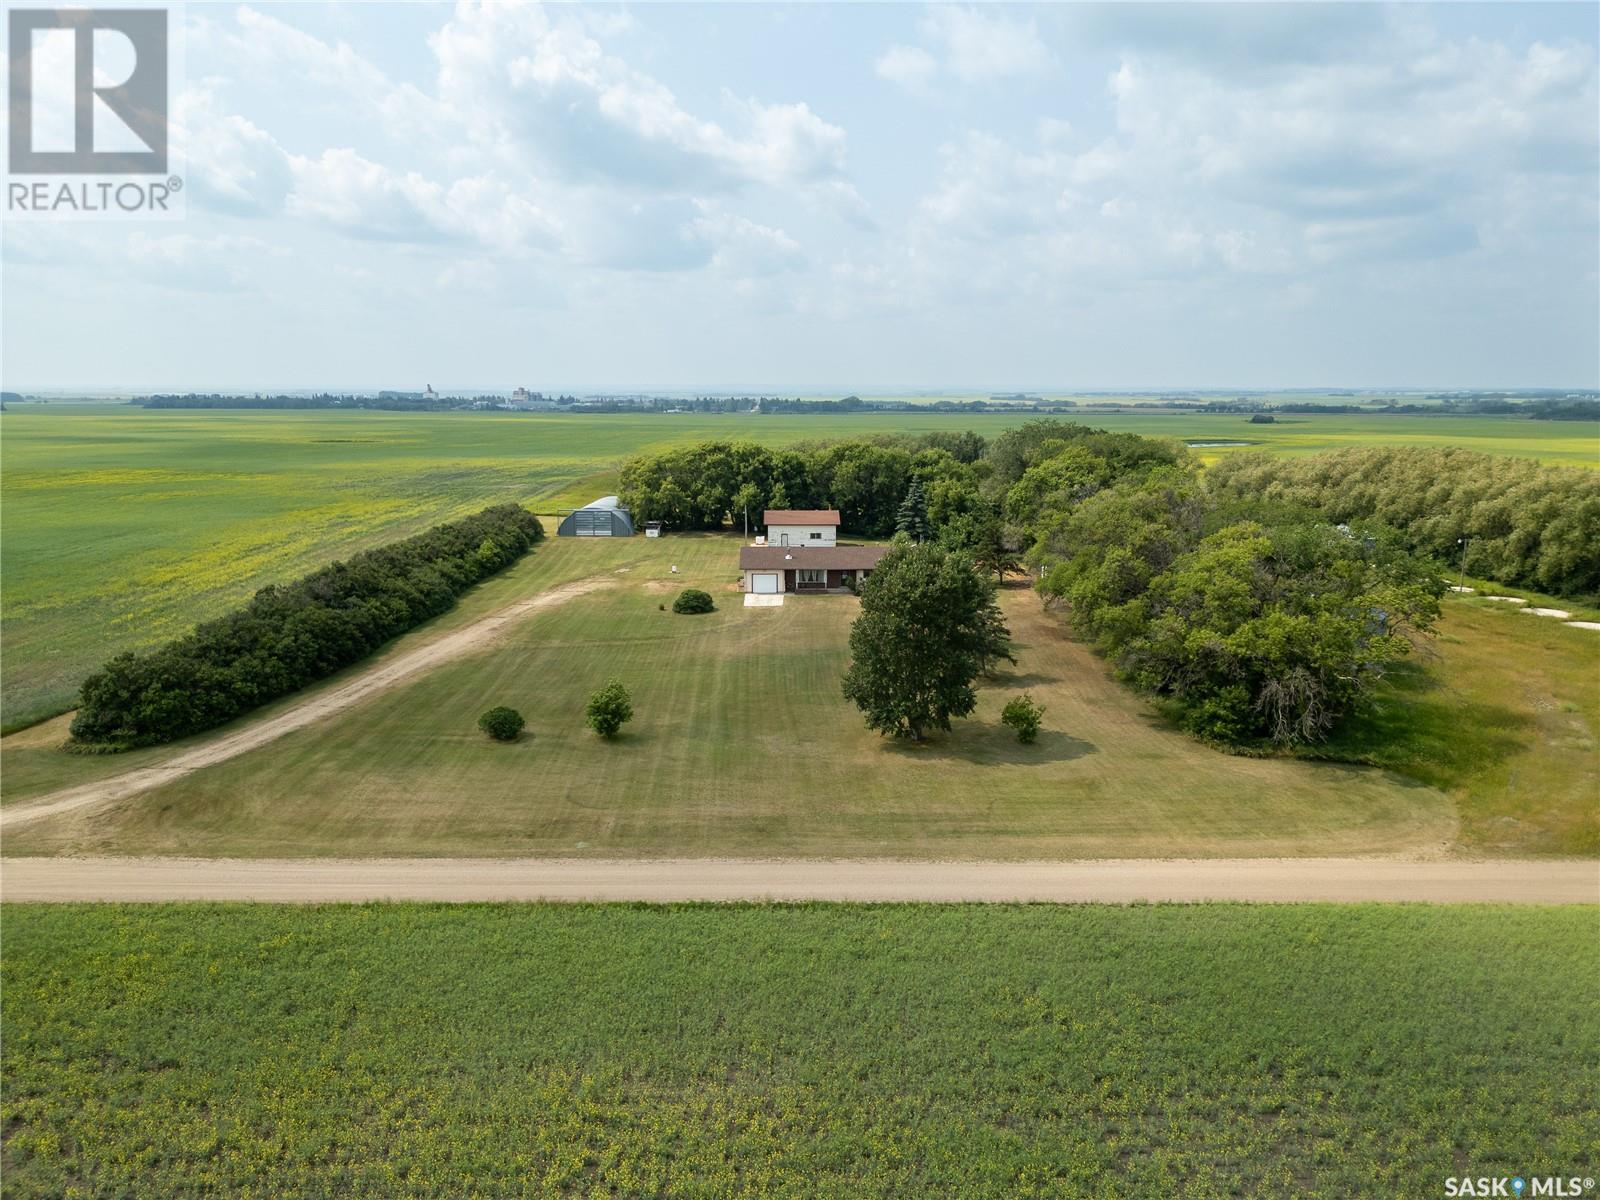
1121, 881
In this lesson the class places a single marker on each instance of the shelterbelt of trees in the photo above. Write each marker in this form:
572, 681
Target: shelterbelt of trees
1260, 601
1510, 519
289, 636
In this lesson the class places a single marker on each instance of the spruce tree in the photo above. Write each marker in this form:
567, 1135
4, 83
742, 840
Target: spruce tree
912, 519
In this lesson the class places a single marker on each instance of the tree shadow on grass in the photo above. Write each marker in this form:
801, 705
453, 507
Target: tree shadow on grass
975, 743
1420, 728
1018, 679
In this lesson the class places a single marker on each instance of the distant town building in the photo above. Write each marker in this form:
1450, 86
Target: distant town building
526, 401
428, 393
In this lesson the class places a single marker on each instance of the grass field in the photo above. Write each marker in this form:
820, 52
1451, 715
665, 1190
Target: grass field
844, 1051
1502, 712
120, 528
742, 745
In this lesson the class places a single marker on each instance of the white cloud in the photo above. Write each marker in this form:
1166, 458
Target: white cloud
537, 137
969, 45
231, 164
839, 199
365, 198
545, 93
747, 250
330, 76
982, 46
369, 200
1236, 39
651, 234
1432, 150
912, 67
1259, 184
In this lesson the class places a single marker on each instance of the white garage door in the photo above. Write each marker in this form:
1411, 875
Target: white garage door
764, 585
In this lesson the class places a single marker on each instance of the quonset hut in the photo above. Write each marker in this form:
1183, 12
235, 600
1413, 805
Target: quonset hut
604, 517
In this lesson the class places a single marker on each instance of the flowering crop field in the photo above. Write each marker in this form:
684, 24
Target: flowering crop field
120, 527
811, 1051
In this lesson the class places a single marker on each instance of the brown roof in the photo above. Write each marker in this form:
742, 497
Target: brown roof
839, 558
800, 516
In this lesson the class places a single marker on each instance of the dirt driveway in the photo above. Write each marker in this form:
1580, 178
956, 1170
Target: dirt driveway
1111, 880
382, 676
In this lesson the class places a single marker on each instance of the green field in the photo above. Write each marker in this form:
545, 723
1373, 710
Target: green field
120, 527
819, 1051
743, 745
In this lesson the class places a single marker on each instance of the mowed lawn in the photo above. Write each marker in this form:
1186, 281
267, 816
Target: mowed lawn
742, 744
120, 528
820, 1051
1502, 712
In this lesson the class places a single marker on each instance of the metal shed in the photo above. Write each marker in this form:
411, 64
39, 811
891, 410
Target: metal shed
604, 517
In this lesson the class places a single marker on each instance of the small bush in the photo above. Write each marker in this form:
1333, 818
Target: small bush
502, 724
693, 600
1023, 715
608, 709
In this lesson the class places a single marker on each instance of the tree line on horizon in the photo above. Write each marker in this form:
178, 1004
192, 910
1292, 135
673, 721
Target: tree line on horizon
1513, 520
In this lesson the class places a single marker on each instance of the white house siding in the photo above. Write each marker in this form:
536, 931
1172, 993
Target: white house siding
800, 535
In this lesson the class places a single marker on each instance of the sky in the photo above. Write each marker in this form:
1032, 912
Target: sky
862, 198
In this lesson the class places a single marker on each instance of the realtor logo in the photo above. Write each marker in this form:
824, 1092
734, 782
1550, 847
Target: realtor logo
79, 100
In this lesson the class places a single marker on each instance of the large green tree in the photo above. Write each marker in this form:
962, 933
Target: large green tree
1254, 632
927, 627
982, 534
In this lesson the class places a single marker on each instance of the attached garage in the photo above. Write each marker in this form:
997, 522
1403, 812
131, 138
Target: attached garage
778, 570
604, 517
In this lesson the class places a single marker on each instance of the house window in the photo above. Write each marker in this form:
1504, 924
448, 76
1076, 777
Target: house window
816, 535
812, 575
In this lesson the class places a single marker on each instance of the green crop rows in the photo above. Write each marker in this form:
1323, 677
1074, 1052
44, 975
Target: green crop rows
814, 1051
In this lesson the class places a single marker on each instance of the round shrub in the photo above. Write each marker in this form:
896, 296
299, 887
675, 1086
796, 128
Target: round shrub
693, 600
502, 724
1023, 715
608, 709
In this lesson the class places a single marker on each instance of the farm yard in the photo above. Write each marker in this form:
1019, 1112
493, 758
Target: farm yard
123, 527
815, 1051
801, 602
744, 745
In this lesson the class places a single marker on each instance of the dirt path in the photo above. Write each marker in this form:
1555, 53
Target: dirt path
382, 676
1112, 880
